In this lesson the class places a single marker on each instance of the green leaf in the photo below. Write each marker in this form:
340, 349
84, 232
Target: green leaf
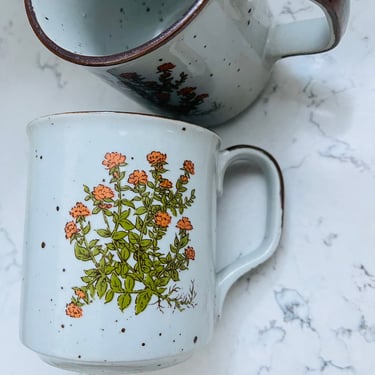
124, 215
91, 272
107, 212
119, 235
129, 283
125, 254
123, 301
126, 224
103, 233
96, 210
133, 237
163, 281
82, 253
146, 244
109, 296
128, 203
108, 269
175, 276
87, 279
92, 243
184, 241
173, 249
139, 224
86, 189
86, 229
116, 284
101, 286
142, 300
140, 211
149, 282
96, 251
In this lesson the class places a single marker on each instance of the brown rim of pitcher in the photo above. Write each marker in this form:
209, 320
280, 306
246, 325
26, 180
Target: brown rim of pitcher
336, 10
116, 58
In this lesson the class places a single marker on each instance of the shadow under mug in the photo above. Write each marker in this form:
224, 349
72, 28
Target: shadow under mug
202, 61
119, 269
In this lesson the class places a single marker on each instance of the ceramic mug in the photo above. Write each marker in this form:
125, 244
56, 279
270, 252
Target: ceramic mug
119, 265
203, 61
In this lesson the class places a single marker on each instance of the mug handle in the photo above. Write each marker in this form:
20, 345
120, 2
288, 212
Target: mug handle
310, 36
275, 203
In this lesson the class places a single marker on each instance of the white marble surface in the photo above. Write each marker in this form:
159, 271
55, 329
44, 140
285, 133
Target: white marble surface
311, 308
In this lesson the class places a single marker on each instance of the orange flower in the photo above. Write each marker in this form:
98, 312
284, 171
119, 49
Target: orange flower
70, 229
102, 192
185, 91
166, 66
166, 184
190, 253
189, 166
73, 310
163, 219
184, 179
184, 223
138, 177
80, 293
113, 159
156, 157
79, 210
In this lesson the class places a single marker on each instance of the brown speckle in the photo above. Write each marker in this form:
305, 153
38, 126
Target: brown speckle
43, 245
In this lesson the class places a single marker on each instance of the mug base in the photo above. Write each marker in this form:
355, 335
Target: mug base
109, 368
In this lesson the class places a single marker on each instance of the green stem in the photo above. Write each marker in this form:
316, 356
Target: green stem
87, 245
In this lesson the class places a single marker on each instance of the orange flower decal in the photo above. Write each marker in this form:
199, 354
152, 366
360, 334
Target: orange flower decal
166, 66
184, 223
70, 229
113, 159
166, 184
156, 157
190, 253
185, 91
163, 219
184, 179
138, 177
73, 310
80, 293
102, 192
189, 166
79, 210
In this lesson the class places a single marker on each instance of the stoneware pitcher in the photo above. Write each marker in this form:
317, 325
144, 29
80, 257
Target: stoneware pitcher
203, 61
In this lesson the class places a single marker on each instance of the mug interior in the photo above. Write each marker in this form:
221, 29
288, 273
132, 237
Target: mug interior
102, 28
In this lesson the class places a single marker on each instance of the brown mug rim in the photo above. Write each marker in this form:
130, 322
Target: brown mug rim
116, 58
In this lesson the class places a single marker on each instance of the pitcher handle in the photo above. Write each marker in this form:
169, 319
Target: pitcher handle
274, 216
310, 36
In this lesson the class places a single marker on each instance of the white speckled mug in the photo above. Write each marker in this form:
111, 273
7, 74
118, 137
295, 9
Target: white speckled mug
203, 61
119, 265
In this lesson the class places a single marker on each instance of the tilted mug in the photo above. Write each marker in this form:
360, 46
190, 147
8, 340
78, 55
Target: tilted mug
203, 61
119, 267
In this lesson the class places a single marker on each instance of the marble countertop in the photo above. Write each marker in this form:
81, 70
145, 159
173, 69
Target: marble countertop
311, 308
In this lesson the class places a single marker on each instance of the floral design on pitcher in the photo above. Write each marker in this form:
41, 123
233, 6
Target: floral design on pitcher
127, 262
168, 92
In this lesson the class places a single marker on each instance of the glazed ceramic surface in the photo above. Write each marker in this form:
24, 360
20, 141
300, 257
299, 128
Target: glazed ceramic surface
201, 61
120, 269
